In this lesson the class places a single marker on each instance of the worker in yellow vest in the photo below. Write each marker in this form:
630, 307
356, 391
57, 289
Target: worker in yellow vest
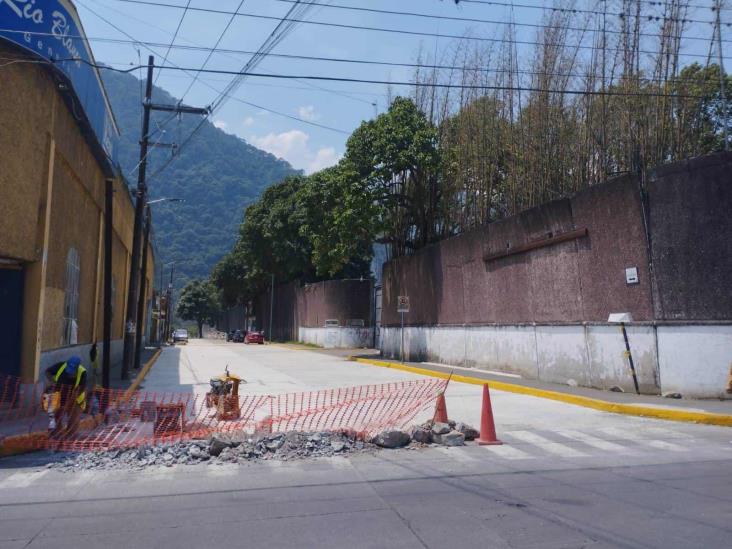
65, 396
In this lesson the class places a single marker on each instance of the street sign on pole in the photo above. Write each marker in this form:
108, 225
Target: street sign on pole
402, 307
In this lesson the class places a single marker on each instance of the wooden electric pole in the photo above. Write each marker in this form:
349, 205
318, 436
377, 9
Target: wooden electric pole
132, 330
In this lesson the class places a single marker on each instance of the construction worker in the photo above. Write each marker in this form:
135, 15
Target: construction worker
67, 396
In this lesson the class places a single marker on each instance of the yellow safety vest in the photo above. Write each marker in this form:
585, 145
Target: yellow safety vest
81, 399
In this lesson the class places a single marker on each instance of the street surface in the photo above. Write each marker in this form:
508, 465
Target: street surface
566, 477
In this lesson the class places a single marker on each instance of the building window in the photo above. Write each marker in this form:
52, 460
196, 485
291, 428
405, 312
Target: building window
71, 300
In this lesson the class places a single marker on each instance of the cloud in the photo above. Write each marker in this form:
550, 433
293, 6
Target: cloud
248, 121
220, 124
294, 147
307, 112
324, 157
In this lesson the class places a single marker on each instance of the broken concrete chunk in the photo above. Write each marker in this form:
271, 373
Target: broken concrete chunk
469, 432
392, 439
453, 438
421, 435
227, 454
274, 445
218, 443
440, 428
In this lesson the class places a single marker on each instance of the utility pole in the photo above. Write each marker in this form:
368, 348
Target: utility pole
143, 279
168, 302
140, 199
271, 308
107, 332
722, 93
131, 328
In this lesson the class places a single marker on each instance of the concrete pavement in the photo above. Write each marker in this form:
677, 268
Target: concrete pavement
567, 477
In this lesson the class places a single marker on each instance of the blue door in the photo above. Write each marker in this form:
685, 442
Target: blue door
11, 315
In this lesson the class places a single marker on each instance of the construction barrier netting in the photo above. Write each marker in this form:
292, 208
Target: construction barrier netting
33, 418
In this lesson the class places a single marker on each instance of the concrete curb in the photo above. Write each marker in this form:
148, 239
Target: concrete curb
142, 374
23, 444
708, 418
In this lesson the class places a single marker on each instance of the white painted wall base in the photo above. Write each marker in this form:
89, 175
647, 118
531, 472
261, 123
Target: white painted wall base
342, 337
52, 356
693, 360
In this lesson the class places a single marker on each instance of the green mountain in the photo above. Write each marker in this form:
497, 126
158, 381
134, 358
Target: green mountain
217, 175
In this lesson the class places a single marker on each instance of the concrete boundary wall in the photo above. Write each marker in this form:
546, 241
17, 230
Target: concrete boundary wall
49, 358
667, 358
343, 337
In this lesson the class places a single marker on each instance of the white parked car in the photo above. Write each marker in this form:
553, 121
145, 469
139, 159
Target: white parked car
180, 336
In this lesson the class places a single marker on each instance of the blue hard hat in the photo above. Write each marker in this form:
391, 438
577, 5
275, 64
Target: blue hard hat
72, 364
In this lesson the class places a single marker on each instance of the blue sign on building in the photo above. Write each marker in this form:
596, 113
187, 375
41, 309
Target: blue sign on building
51, 29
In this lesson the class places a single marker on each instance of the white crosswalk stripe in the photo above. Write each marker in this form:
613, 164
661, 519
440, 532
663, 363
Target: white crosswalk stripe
22, 479
642, 438
506, 451
663, 445
596, 442
457, 454
79, 478
549, 446
222, 471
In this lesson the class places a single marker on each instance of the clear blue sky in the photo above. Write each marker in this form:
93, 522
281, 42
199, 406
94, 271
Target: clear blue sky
345, 105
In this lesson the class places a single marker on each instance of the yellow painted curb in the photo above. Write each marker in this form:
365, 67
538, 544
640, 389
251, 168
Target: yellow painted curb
141, 376
30, 442
708, 418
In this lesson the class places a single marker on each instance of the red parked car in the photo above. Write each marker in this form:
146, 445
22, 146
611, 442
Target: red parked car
254, 337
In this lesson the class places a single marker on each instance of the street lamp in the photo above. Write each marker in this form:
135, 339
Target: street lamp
149, 202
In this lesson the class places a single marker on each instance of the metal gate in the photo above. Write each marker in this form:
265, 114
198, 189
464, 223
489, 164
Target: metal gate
11, 318
377, 317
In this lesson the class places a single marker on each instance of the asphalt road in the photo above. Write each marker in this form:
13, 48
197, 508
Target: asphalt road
567, 477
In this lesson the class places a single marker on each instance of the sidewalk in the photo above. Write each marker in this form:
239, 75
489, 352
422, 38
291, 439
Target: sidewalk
714, 412
115, 374
28, 433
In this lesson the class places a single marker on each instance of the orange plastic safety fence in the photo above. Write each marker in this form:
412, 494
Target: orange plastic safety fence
116, 419
365, 409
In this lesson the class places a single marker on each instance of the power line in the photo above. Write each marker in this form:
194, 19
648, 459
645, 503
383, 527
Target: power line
198, 127
578, 10
391, 31
175, 35
284, 27
372, 62
492, 21
213, 50
492, 87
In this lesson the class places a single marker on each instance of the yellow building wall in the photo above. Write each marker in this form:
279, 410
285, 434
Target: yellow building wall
44, 149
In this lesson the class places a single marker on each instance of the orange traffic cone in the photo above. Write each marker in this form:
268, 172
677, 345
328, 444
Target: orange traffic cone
440, 410
487, 427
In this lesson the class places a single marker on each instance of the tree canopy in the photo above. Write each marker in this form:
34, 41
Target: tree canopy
199, 301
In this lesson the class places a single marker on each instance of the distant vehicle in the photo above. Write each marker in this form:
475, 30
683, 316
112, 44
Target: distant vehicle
180, 336
238, 336
230, 335
254, 337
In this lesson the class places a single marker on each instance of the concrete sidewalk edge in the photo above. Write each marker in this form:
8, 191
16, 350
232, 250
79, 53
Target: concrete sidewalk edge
23, 444
708, 418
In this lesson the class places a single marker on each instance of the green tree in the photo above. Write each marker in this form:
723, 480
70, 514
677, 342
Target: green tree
199, 301
397, 159
340, 221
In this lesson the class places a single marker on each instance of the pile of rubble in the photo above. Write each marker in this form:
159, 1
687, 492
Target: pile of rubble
220, 448
445, 434
242, 447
